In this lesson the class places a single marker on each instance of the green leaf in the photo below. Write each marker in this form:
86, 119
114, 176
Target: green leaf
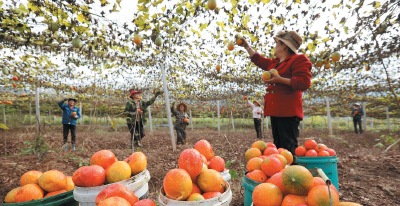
380, 145
2, 126
266, 1
163, 8
228, 164
1, 3
179, 10
233, 174
203, 26
345, 29
234, 11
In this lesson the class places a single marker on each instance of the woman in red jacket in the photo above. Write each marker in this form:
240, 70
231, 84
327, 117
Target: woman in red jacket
282, 101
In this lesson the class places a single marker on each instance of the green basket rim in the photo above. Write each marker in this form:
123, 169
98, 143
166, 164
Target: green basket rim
43, 200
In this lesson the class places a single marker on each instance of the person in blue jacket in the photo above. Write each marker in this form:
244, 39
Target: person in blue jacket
70, 115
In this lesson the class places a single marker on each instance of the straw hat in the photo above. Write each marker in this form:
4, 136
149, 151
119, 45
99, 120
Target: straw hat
291, 38
179, 105
258, 102
357, 104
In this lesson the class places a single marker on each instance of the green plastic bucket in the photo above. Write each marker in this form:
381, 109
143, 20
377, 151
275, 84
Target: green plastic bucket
63, 199
249, 186
327, 164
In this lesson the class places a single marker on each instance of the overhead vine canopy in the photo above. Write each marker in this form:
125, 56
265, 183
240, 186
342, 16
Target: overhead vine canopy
97, 49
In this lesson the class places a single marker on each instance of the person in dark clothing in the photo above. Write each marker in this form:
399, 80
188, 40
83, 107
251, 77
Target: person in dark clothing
181, 121
70, 115
357, 114
135, 110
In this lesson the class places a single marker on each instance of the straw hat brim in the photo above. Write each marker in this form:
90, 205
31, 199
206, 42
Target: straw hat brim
258, 102
179, 105
289, 44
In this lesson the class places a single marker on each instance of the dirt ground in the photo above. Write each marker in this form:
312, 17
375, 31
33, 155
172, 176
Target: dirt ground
365, 175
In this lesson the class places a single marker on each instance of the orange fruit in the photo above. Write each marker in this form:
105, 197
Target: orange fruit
204, 160
259, 145
117, 190
320, 148
300, 151
239, 41
318, 181
145, 202
320, 63
281, 150
231, 46
294, 200
297, 180
251, 153
195, 189
73, 113
103, 158
319, 196
210, 181
52, 180
311, 153
218, 67
288, 155
335, 56
331, 152
137, 39
310, 144
138, 162
177, 184
191, 161
70, 184
280, 158
31, 177
29, 192
270, 144
276, 179
212, 4
204, 147
257, 175
323, 154
270, 150
114, 201
10, 197
195, 197
266, 75
327, 66
326, 61
118, 171
271, 165
54, 193
217, 164
210, 195
267, 194
89, 176
254, 164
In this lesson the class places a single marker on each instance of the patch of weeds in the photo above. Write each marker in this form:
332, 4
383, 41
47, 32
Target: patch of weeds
366, 144
39, 145
388, 139
380, 145
354, 162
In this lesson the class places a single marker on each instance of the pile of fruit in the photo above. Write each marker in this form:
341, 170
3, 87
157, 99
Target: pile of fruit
37, 185
265, 162
118, 194
312, 149
198, 176
105, 168
294, 186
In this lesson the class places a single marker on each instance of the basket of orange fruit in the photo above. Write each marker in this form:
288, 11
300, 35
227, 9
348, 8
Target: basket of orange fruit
197, 179
37, 188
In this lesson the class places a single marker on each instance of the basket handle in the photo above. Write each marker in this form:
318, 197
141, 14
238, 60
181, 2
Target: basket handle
327, 181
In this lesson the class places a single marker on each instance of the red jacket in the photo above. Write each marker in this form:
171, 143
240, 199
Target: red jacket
282, 100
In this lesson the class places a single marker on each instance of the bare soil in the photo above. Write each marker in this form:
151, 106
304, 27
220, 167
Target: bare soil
365, 175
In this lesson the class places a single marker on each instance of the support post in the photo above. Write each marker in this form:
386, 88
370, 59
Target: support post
4, 117
20, 116
91, 116
213, 117
348, 122
30, 113
387, 117
166, 96
302, 123
219, 112
243, 117
364, 117
372, 122
191, 120
233, 125
37, 107
266, 121
328, 114
338, 122
150, 120
80, 109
